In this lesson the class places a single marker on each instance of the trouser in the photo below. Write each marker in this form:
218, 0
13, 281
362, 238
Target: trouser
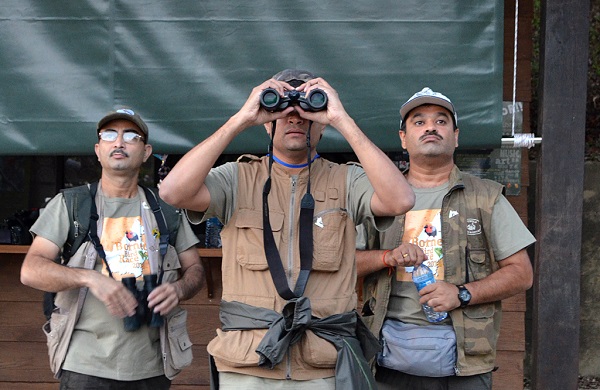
234, 381
388, 379
70, 380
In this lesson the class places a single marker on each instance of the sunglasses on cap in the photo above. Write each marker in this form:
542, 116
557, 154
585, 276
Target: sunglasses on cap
129, 137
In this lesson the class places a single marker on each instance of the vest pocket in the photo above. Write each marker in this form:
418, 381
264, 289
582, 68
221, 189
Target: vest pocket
329, 228
250, 251
178, 340
237, 347
317, 352
480, 335
171, 265
479, 263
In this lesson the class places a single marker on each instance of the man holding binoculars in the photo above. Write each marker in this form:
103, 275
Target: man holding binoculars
289, 276
139, 259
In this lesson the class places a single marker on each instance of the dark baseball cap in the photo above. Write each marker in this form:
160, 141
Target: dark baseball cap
127, 114
294, 77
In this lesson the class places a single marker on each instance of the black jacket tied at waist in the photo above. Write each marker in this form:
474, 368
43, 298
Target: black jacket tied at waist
352, 339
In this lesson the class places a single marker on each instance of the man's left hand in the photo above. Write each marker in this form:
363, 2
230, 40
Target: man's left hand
441, 296
163, 298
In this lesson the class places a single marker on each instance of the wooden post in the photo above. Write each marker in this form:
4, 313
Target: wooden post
563, 82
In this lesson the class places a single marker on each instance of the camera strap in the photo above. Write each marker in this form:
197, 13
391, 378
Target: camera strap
307, 207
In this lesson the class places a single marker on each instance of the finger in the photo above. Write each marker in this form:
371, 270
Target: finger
166, 306
120, 311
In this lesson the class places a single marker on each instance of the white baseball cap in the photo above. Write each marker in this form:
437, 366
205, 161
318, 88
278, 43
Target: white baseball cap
427, 96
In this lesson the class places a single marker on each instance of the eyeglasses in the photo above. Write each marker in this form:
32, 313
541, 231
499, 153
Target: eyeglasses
129, 136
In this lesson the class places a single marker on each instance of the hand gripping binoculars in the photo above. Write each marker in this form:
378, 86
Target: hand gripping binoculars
143, 314
316, 100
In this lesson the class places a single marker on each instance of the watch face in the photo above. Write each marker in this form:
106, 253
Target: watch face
464, 296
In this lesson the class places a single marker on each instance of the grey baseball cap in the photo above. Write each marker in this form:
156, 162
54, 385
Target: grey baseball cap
427, 96
127, 114
294, 77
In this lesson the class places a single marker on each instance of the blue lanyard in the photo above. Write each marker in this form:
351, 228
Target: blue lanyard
294, 165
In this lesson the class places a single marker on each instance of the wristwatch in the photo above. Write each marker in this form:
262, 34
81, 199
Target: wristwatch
464, 296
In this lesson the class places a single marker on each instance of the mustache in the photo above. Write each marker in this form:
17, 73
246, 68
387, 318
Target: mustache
121, 151
430, 133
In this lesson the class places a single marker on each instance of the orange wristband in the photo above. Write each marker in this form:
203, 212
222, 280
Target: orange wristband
389, 267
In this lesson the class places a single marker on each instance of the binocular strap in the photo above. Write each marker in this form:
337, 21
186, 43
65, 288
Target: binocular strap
307, 207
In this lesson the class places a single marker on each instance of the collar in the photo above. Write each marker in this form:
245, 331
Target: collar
277, 160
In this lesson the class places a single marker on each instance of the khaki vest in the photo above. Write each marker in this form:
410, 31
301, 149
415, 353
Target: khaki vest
246, 277
176, 346
464, 242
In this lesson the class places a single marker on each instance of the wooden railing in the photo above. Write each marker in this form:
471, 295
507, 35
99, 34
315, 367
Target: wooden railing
206, 254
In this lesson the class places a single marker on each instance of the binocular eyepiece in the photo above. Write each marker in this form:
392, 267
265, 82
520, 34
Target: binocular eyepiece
316, 100
143, 314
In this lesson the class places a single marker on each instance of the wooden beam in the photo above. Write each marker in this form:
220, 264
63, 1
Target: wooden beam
563, 82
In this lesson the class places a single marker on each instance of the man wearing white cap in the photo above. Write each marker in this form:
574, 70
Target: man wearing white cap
465, 230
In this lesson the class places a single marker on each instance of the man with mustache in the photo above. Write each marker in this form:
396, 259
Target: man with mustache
95, 349
466, 231
289, 277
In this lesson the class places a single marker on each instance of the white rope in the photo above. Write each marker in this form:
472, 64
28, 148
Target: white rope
524, 140
519, 140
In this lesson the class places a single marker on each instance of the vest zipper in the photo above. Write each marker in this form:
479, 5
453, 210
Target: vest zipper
290, 249
76, 224
75, 217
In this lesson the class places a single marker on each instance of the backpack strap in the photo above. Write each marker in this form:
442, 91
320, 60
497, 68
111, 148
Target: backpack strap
166, 230
160, 220
79, 205
171, 215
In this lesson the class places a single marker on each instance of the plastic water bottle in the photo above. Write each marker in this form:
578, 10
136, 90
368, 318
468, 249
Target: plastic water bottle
422, 276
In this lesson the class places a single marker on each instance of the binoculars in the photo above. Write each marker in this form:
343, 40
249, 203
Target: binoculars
316, 100
143, 314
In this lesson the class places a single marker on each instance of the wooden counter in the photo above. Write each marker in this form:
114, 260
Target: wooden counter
7, 248
206, 255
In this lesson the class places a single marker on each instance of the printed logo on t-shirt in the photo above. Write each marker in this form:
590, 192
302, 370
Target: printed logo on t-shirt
124, 242
423, 228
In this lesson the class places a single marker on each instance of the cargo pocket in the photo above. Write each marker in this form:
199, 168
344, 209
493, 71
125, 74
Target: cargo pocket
480, 336
250, 249
237, 347
329, 228
318, 352
54, 329
479, 263
179, 343
171, 265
